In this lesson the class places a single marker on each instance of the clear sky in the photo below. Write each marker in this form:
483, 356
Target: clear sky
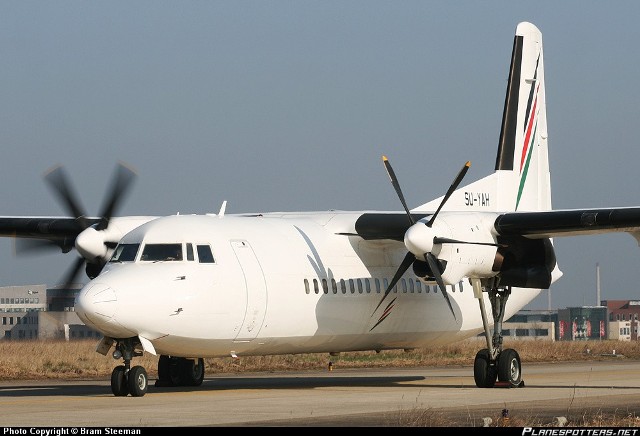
288, 105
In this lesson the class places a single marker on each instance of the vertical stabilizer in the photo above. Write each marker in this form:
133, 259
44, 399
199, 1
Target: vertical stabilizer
521, 179
522, 148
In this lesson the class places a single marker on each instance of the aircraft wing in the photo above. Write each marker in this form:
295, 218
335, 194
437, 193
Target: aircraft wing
570, 222
372, 226
41, 231
532, 225
60, 231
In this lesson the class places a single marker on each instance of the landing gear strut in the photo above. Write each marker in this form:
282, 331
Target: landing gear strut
495, 363
126, 380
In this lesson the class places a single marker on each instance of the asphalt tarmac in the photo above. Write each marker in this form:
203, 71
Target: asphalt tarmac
443, 396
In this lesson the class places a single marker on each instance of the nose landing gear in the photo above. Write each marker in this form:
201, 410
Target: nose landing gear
134, 381
126, 380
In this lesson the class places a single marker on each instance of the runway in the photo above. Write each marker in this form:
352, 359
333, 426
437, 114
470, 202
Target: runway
342, 397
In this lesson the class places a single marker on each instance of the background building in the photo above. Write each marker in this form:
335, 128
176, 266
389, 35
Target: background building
532, 324
38, 312
620, 330
624, 310
35, 312
582, 323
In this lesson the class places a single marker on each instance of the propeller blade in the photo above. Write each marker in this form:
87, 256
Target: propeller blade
121, 182
431, 260
435, 269
23, 246
439, 240
452, 188
404, 266
396, 186
58, 182
72, 274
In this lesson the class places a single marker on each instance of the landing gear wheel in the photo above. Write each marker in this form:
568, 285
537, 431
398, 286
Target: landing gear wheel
164, 371
174, 371
484, 373
509, 367
191, 371
138, 381
119, 385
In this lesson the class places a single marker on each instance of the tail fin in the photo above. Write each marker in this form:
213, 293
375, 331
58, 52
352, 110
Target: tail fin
523, 138
521, 180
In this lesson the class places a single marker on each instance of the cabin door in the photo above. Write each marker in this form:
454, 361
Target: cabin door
256, 289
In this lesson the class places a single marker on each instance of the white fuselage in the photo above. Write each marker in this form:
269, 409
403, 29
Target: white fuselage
279, 284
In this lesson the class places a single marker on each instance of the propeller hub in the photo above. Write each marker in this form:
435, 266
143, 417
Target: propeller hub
419, 239
90, 244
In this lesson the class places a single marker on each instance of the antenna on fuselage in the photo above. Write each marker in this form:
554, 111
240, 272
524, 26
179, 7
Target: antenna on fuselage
223, 207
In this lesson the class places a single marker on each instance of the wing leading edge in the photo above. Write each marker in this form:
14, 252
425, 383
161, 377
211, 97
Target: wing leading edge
532, 225
569, 222
60, 231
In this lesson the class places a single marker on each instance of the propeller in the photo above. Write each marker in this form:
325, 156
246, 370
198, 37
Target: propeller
89, 243
425, 234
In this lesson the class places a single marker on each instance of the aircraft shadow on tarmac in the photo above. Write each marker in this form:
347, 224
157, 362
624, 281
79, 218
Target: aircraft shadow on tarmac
100, 388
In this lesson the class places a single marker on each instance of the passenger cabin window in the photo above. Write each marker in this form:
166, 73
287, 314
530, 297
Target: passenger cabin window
161, 252
204, 254
125, 253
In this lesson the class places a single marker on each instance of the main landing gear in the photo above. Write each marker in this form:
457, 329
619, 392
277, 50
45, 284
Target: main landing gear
172, 371
495, 363
180, 371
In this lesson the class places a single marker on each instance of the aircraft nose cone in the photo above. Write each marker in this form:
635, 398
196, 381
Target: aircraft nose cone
96, 303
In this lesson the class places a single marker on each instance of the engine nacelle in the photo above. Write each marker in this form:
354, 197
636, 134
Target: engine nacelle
457, 260
518, 261
526, 263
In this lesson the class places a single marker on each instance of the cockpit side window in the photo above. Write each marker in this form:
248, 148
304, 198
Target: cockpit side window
204, 254
125, 253
189, 251
161, 252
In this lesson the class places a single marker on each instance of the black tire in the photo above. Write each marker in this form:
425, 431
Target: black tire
119, 385
174, 371
191, 371
509, 367
164, 371
484, 373
138, 381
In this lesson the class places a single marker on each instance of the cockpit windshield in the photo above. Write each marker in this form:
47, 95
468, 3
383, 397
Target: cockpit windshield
161, 252
125, 253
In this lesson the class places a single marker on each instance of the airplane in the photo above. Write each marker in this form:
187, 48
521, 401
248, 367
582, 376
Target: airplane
190, 287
